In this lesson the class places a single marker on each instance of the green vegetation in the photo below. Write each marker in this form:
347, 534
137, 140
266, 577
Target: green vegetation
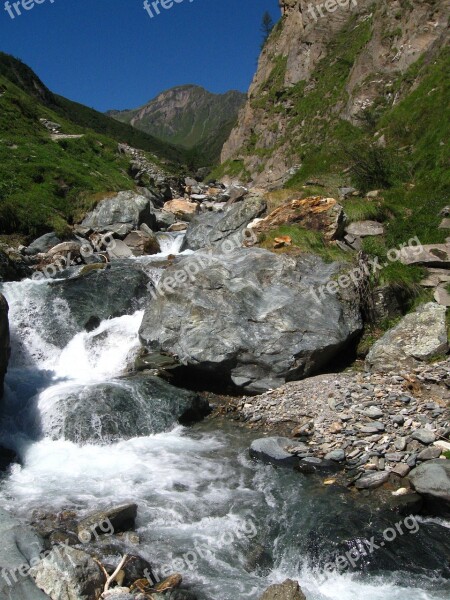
232, 168
47, 185
304, 240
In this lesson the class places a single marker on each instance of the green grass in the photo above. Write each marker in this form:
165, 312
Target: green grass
362, 209
232, 168
304, 240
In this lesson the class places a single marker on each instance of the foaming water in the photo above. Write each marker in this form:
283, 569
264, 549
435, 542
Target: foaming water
230, 526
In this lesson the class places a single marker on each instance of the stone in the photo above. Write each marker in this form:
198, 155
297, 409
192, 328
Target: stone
371, 481
218, 228
179, 226
336, 455
272, 450
118, 518
142, 242
442, 296
373, 412
365, 229
400, 444
249, 317
418, 337
346, 192
124, 208
317, 213
289, 590
135, 406
424, 436
19, 546
430, 255
183, 210
429, 453
42, 244
398, 419
119, 250
431, 479
68, 574
401, 470
445, 224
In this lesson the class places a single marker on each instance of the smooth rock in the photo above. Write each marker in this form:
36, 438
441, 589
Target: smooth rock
289, 590
42, 244
424, 436
432, 480
336, 455
272, 450
124, 208
370, 481
429, 453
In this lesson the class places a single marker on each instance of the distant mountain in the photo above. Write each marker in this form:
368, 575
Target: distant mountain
188, 116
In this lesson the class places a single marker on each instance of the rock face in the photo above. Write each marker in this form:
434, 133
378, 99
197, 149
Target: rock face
122, 409
418, 337
125, 210
250, 316
5, 348
289, 590
19, 546
212, 229
317, 213
432, 480
69, 574
96, 294
290, 88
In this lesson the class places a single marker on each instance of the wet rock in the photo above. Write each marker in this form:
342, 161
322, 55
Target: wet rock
112, 520
289, 590
311, 465
418, 337
372, 481
432, 480
273, 450
68, 574
336, 455
249, 316
401, 470
142, 242
215, 228
19, 547
121, 409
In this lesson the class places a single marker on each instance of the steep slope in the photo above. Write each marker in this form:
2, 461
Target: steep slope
24, 78
326, 82
187, 116
49, 183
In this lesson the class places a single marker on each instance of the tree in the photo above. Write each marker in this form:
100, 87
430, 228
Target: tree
266, 26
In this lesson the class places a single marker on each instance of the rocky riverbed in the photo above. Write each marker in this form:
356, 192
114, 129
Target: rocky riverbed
364, 429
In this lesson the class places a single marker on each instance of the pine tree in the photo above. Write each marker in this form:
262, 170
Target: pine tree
266, 26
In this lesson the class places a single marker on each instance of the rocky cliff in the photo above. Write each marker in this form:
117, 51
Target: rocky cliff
322, 74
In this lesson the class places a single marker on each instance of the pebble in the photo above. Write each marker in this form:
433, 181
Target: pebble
424, 436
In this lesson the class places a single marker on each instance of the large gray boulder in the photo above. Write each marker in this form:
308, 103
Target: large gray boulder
272, 450
5, 347
250, 316
94, 294
432, 480
69, 574
418, 337
213, 228
122, 209
20, 548
135, 406
43, 244
289, 590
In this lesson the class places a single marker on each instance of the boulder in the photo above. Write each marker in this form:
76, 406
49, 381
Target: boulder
142, 242
371, 481
273, 450
365, 228
121, 409
289, 590
96, 293
118, 518
20, 547
214, 228
42, 244
13, 265
419, 336
69, 574
124, 210
249, 316
65, 248
432, 480
5, 347
430, 255
317, 213
183, 210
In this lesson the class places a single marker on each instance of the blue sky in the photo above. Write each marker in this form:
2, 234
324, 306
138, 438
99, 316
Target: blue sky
111, 54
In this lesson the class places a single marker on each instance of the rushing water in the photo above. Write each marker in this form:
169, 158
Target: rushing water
232, 526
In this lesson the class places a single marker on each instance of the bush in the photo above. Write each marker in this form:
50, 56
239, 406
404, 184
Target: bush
374, 167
